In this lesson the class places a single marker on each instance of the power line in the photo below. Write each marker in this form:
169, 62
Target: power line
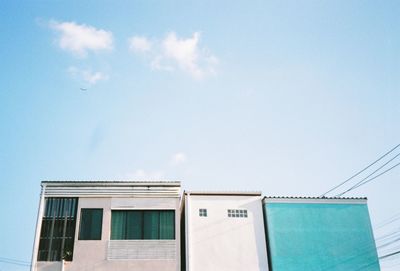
361, 171
389, 235
389, 255
373, 178
388, 243
14, 260
14, 263
363, 181
387, 221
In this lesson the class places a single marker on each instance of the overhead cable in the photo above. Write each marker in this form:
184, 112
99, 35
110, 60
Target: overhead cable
363, 181
389, 255
361, 171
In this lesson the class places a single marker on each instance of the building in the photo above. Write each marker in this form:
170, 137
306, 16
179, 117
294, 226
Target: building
108, 226
149, 226
223, 232
318, 234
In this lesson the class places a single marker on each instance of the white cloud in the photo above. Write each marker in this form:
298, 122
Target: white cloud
173, 53
178, 159
141, 174
139, 44
87, 76
81, 38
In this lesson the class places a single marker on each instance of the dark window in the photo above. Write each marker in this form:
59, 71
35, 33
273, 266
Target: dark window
143, 225
202, 212
90, 224
58, 229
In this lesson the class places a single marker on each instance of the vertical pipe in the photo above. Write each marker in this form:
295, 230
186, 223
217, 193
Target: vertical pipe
38, 228
187, 217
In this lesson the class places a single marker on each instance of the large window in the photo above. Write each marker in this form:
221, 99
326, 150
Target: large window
143, 225
91, 224
58, 229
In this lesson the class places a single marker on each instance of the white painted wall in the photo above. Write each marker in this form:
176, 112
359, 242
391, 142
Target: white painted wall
92, 254
221, 243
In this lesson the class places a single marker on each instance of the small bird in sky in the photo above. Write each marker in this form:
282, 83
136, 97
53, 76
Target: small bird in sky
83, 89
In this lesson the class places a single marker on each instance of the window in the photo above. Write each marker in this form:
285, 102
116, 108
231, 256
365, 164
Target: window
58, 229
143, 225
237, 213
91, 224
202, 212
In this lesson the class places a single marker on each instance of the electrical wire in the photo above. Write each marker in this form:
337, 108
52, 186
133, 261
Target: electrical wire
387, 236
388, 243
387, 221
14, 263
361, 171
389, 255
363, 181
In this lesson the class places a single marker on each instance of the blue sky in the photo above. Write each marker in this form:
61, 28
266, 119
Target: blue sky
286, 97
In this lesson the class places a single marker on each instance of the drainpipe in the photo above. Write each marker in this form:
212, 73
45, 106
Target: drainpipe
62, 264
187, 217
38, 227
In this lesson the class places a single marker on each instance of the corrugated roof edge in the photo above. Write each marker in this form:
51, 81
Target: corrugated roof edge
303, 197
321, 200
223, 193
151, 182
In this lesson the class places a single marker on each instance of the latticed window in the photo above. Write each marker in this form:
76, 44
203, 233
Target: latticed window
143, 225
58, 229
202, 212
237, 213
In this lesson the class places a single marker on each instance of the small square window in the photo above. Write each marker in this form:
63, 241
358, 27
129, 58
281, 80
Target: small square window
203, 212
237, 213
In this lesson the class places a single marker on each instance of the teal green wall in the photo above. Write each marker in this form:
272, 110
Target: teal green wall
320, 237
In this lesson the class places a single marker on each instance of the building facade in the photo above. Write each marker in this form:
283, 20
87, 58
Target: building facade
224, 231
149, 226
108, 226
318, 234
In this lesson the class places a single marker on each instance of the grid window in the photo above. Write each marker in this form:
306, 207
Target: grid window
202, 212
58, 229
91, 223
237, 213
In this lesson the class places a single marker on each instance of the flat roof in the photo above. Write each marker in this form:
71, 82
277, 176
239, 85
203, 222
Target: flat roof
223, 193
305, 199
113, 183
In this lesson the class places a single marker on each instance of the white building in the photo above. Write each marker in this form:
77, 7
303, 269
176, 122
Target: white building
224, 232
108, 226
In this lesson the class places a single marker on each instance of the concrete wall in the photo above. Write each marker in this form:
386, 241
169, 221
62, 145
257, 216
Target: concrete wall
95, 254
219, 242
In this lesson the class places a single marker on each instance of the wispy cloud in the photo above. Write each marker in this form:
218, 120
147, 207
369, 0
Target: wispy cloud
80, 38
139, 44
178, 159
173, 52
86, 75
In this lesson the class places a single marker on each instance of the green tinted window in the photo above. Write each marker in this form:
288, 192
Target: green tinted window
143, 225
91, 224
